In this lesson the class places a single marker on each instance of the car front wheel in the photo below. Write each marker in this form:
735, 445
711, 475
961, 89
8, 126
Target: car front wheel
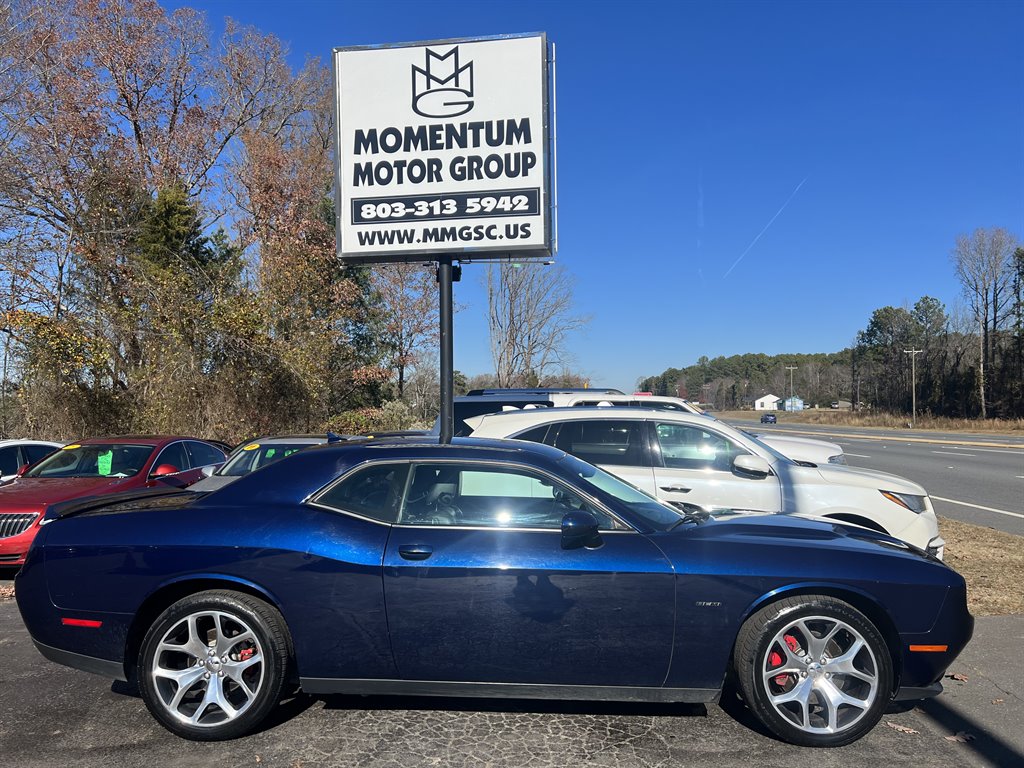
213, 664
814, 670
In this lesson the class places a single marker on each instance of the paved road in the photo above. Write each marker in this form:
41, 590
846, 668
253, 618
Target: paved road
51, 715
974, 478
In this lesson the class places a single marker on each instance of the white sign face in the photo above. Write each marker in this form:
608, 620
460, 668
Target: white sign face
443, 147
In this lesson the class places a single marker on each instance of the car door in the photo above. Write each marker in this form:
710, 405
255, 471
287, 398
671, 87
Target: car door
479, 589
693, 464
618, 446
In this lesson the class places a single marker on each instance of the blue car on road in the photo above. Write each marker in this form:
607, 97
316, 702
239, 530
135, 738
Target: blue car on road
482, 568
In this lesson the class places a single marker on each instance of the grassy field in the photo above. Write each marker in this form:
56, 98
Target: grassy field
990, 560
885, 420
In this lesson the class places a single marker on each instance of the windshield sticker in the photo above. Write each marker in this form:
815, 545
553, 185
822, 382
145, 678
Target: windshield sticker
271, 452
251, 447
71, 447
103, 462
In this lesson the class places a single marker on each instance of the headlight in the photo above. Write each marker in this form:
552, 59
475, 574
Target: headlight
907, 500
839, 458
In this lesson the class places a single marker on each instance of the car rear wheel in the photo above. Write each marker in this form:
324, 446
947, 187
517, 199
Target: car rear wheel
213, 664
814, 670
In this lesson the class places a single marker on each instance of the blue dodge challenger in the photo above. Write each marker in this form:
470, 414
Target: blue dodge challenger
482, 568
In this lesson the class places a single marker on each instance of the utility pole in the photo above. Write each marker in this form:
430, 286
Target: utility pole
913, 385
791, 368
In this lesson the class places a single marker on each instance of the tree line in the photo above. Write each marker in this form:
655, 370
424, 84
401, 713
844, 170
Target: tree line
966, 363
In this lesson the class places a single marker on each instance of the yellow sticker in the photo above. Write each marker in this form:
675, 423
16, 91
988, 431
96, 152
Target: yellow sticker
251, 447
71, 447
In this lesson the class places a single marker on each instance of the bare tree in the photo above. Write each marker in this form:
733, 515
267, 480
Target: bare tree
982, 260
530, 319
407, 295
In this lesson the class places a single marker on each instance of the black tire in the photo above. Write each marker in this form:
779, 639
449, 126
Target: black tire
772, 665
225, 647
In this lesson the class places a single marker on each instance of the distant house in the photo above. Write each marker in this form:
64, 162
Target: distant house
793, 404
767, 403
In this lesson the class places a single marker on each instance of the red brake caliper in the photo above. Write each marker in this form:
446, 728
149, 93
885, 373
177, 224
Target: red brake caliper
775, 659
245, 654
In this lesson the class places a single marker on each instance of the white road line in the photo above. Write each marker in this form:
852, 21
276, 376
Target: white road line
858, 455
948, 453
993, 450
978, 506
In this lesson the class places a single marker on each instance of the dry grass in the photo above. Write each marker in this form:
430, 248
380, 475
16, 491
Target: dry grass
991, 561
886, 420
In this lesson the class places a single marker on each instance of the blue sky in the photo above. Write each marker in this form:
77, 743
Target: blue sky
881, 131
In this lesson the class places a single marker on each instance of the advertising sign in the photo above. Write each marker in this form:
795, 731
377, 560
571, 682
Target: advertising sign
444, 148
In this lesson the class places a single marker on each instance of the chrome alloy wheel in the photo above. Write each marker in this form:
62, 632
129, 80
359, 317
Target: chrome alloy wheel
208, 668
820, 674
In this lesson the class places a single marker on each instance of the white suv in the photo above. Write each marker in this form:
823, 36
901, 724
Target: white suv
799, 449
688, 459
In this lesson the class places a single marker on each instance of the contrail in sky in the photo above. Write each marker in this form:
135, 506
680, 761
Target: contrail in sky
773, 218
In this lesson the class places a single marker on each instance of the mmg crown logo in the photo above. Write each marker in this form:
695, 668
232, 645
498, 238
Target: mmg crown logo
442, 88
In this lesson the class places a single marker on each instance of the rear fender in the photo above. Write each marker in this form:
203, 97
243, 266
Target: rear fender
168, 593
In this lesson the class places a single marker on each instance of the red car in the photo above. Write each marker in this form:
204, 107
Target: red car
92, 468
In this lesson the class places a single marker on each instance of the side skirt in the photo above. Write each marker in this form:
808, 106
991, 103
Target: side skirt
322, 685
109, 669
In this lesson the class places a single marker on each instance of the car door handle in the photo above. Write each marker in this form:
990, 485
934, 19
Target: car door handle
676, 489
415, 551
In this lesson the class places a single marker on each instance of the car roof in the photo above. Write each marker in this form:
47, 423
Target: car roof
21, 441
291, 439
291, 479
153, 440
546, 415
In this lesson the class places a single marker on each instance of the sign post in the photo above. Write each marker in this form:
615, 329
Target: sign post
444, 152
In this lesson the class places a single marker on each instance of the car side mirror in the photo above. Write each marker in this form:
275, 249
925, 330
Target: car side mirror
165, 469
579, 529
752, 466
22, 470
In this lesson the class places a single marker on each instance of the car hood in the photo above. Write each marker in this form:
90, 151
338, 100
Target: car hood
788, 531
47, 490
868, 478
802, 448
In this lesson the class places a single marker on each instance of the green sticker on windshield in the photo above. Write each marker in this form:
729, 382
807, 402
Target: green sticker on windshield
103, 462
270, 453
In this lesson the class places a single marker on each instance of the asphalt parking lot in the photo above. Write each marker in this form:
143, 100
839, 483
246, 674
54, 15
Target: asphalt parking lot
51, 715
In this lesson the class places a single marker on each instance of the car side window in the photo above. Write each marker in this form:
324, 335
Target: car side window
374, 491
174, 454
684, 446
203, 455
603, 441
34, 453
535, 435
9, 460
483, 496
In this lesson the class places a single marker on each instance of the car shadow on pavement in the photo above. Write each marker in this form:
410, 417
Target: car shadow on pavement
526, 706
982, 742
292, 704
733, 705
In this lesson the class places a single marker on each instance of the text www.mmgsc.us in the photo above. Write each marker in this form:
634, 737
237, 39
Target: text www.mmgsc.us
465, 234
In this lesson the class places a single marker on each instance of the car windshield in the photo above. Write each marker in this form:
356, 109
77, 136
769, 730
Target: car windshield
109, 460
657, 514
253, 456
